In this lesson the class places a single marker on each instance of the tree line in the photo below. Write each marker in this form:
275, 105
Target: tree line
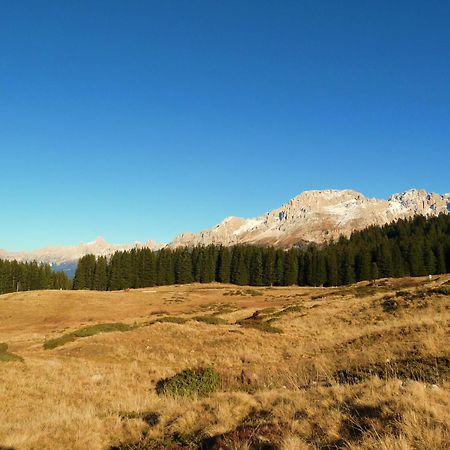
418, 246
26, 276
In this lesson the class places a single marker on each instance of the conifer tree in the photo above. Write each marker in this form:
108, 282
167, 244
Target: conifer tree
224, 265
290, 268
268, 266
279, 268
256, 267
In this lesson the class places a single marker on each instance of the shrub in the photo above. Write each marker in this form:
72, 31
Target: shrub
6, 356
170, 319
253, 292
259, 325
389, 305
211, 320
200, 381
287, 310
86, 332
443, 290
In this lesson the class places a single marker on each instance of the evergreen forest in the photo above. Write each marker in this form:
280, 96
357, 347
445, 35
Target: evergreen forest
413, 247
26, 276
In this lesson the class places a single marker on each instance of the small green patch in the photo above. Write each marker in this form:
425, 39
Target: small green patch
244, 292
256, 321
223, 310
211, 320
176, 441
288, 310
389, 305
172, 319
6, 356
86, 332
259, 325
267, 311
200, 381
442, 290
253, 292
151, 418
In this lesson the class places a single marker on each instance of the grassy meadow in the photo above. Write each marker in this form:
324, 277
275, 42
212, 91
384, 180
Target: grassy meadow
214, 366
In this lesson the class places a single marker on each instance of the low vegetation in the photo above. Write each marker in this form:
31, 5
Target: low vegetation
291, 369
211, 320
86, 332
171, 319
258, 322
201, 382
6, 356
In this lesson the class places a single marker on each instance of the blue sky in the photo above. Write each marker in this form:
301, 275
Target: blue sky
142, 119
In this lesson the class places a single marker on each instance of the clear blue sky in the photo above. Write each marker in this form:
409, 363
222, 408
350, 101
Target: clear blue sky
138, 120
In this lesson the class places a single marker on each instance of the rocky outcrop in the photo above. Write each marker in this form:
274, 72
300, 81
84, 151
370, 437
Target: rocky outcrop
318, 216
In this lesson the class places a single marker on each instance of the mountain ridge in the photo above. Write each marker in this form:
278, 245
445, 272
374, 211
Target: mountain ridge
312, 216
318, 216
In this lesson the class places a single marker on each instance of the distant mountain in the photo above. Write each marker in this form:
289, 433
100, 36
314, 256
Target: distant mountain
65, 257
318, 216
312, 216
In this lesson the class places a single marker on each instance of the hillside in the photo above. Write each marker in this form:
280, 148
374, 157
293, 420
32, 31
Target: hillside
362, 366
318, 216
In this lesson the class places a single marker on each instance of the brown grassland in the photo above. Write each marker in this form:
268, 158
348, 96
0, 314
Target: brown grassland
361, 367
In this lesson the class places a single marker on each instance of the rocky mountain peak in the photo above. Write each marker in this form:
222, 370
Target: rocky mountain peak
317, 216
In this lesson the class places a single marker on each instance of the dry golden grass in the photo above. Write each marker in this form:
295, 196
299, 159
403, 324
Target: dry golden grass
278, 390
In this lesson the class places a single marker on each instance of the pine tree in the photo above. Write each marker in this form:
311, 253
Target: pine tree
224, 265
240, 273
100, 274
332, 269
375, 271
429, 259
279, 268
416, 264
440, 259
268, 266
384, 259
290, 268
256, 267
183, 267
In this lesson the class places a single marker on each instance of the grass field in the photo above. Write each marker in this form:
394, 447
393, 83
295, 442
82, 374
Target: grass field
365, 366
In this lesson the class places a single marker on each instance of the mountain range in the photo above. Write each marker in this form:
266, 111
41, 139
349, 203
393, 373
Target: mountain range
313, 216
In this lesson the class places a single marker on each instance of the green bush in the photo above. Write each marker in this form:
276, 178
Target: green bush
443, 290
6, 356
86, 332
389, 305
200, 381
259, 325
287, 310
211, 320
253, 292
170, 319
